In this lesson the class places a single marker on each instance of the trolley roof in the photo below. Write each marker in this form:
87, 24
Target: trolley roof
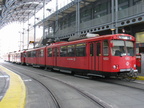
96, 38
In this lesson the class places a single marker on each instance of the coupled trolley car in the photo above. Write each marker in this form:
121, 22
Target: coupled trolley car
102, 55
105, 55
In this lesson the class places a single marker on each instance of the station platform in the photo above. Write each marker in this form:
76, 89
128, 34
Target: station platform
12, 89
140, 76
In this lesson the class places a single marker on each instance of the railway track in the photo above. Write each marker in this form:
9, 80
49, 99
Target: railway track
97, 102
54, 103
116, 81
92, 94
133, 84
53, 97
85, 94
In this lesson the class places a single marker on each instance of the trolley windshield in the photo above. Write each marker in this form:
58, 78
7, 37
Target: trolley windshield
122, 48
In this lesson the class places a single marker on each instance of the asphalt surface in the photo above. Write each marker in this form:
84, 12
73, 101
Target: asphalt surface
37, 96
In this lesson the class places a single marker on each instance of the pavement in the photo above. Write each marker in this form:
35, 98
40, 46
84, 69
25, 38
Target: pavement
12, 90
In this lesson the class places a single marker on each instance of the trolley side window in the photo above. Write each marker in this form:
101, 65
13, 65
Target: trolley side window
98, 53
23, 54
27, 54
41, 53
71, 50
49, 52
91, 50
33, 53
105, 48
81, 49
63, 51
56, 52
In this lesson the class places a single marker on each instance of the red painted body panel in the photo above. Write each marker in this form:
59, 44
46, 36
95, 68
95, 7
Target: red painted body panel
72, 62
23, 55
40, 59
125, 62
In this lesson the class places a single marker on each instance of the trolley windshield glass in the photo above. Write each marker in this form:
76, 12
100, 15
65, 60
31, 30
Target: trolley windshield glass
122, 48
130, 48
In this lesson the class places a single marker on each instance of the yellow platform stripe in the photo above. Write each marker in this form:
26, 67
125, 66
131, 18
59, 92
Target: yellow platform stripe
140, 78
15, 96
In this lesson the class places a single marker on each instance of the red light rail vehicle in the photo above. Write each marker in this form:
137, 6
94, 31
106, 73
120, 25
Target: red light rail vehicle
105, 55
93, 55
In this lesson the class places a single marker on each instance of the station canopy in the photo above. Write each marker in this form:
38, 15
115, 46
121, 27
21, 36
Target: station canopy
19, 10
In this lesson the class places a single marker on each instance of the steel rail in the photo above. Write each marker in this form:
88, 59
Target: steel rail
50, 92
87, 95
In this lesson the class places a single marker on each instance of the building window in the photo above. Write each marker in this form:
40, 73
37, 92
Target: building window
72, 19
123, 4
86, 14
100, 9
136, 2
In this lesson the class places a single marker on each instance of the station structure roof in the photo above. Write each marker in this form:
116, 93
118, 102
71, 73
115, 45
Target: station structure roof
19, 10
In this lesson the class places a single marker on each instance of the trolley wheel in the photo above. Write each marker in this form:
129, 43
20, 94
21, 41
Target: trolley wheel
72, 73
132, 76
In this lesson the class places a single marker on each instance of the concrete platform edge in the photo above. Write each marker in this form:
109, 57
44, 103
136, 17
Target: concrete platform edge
15, 96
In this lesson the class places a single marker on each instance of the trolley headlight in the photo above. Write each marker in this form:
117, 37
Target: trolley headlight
115, 66
134, 65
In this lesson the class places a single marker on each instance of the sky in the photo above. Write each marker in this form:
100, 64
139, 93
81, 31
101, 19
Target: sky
11, 34
9, 37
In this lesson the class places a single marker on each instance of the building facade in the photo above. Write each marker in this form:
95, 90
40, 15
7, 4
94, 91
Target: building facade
97, 16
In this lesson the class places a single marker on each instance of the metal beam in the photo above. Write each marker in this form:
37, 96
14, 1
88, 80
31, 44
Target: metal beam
22, 9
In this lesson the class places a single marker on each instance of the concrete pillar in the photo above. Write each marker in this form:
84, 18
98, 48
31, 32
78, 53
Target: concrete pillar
142, 63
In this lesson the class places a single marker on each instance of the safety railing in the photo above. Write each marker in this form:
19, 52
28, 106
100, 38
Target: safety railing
131, 11
96, 22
